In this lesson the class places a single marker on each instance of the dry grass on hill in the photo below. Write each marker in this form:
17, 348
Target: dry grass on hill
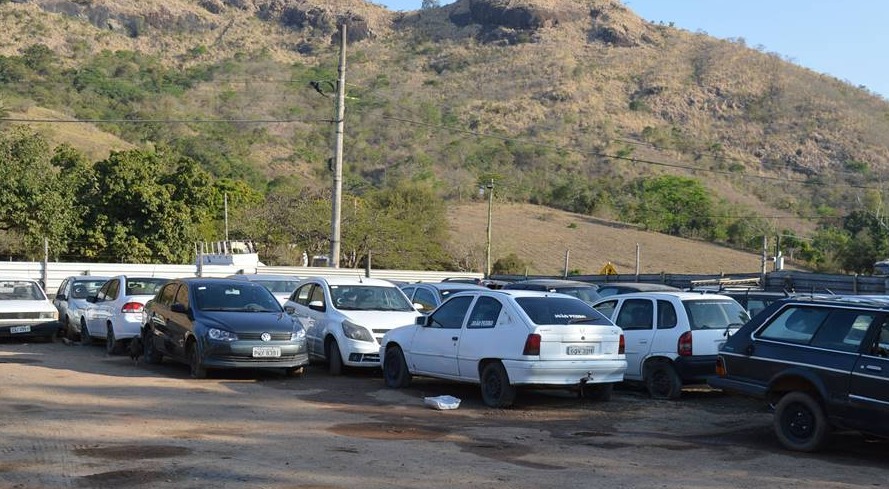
540, 236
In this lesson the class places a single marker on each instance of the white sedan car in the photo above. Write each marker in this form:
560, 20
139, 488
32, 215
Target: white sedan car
503, 339
25, 311
345, 318
115, 312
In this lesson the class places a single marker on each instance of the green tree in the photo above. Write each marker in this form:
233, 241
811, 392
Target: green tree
511, 264
671, 204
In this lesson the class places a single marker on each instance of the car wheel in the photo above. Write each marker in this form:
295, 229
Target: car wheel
597, 392
112, 346
295, 371
85, 338
69, 331
800, 422
497, 392
395, 370
662, 381
198, 371
334, 359
149, 349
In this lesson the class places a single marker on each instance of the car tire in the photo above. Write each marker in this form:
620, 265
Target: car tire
85, 338
297, 372
497, 392
800, 422
112, 345
334, 359
195, 363
395, 370
149, 350
662, 381
598, 392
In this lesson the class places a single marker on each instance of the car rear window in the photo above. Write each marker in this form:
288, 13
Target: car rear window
714, 314
560, 310
144, 286
85, 288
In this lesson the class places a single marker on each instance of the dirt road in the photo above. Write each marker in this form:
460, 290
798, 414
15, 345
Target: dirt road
70, 416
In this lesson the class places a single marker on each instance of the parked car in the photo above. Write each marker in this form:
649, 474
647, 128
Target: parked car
427, 296
615, 288
672, 338
345, 318
822, 363
115, 312
71, 301
216, 323
754, 301
584, 291
507, 339
281, 286
25, 311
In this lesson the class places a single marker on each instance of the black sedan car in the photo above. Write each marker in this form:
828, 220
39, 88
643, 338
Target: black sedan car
582, 290
212, 323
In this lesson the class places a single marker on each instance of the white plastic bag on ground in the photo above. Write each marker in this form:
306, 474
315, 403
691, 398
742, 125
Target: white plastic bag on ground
442, 402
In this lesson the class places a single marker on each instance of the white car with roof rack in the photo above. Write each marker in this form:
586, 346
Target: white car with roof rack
506, 339
672, 338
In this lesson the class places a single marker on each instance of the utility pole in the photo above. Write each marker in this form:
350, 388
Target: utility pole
226, 216
338, 155
490, 187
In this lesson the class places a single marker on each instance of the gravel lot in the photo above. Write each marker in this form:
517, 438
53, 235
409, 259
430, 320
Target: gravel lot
74, 417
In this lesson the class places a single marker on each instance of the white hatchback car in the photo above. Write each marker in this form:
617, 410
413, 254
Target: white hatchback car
502, 339
345, 318
25, 311
115, 312
672, 338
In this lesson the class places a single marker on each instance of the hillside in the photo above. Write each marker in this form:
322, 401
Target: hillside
591, 243
579, 105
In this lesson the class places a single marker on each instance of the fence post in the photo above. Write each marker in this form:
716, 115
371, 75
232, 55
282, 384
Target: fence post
44, 273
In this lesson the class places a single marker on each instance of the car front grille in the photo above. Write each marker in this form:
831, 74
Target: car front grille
256, 336
19, 315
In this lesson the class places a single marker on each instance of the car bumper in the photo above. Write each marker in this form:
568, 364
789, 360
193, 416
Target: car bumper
697, 369
25, 329
360, 353
564, 372
129, 326
239, 354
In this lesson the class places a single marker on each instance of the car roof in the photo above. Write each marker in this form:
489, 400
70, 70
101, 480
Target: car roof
554, 282
641, 286
516, 293
377, 282
681, 295
259, 277
448, 286
87, 277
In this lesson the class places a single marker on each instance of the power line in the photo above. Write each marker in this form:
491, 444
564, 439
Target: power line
159, 121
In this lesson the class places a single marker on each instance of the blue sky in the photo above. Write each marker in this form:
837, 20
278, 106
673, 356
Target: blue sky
843, 39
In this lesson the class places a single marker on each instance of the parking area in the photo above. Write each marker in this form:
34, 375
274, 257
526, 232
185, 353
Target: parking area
71, 416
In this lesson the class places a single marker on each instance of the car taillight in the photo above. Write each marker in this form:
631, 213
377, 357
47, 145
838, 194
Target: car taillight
622, 346
131, 307
532, 345
720, 367
684, 347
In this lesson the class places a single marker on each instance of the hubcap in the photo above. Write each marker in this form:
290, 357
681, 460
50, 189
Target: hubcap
800, 422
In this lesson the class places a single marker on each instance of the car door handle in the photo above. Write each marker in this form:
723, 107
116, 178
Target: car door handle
643, 342
455, 338
873, 368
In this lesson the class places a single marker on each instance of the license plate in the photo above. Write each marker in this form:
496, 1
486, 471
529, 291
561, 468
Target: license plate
266, 351
20, 329
581, 350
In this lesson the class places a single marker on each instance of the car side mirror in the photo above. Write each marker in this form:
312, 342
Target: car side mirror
289, 309
179, 308
91, 298
61, 297
316, 306
422, 321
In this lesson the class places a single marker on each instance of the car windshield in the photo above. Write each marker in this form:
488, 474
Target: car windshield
714, 314
560, 310
369, 298
85, 288
235, 297
144, 286
279, 286
587, 294
20, 290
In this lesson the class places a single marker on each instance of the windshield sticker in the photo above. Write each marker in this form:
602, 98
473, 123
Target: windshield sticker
570, 316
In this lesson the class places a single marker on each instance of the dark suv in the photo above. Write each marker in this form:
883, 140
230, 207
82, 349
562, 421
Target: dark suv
823, 364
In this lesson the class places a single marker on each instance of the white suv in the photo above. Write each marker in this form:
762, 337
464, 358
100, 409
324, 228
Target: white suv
345, 318
672, 338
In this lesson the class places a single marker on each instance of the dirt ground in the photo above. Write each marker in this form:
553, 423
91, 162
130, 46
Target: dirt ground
70, 416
